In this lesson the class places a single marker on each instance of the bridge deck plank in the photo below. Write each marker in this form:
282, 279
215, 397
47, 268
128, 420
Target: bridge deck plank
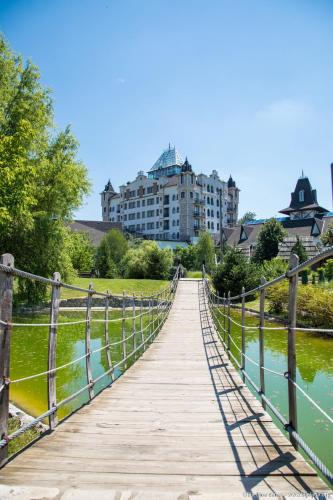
178, 422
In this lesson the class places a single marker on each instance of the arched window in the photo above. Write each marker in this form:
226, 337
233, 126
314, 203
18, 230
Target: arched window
208, 225
301, 195
208, 212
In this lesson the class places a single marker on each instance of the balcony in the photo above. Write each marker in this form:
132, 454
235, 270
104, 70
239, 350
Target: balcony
197, 214
198, 202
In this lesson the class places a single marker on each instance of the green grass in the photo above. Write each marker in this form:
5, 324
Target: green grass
21, 441
194, 274
116, 286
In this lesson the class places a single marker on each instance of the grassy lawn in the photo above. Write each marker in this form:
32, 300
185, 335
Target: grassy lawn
116, 286
194, 274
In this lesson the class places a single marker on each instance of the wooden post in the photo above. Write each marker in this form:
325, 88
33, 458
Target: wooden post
292, 401
87, 343
6, 304
243, 334
52, 354
141, 323
123, 333
224, 318
229, 324
261, 341
134, 326
106, 336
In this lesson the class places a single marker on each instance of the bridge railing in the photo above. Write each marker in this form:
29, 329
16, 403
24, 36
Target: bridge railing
220, 308
145, 313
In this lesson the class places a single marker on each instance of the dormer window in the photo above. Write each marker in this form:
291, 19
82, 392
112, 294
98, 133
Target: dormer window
301, 196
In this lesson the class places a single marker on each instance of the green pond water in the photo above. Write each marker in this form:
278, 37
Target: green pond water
29, 354
314, 355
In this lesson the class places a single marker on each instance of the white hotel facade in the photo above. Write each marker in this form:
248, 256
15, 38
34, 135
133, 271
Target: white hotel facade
172, 202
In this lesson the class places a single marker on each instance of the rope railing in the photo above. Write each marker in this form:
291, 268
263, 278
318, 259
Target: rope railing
220, 308
145, 317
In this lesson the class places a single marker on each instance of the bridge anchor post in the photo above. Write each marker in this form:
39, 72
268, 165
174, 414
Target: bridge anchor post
292, 401
6, 306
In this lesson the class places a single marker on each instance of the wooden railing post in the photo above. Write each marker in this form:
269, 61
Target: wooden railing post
141, 323
52, 354
224, 318
229, 324
87, 343
134, 326
123, 333
106, 336
262, 341
6, 305
292, 401
243, 334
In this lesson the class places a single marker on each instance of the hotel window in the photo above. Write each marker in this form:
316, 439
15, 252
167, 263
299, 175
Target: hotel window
149, 189
138, 204
131, 204
125, 206
177, 210
158, 212
218, 226
143, 215
132, 194
212, 225
150, 213
191, 194
182, 194
166, 199
174, 210
138, 215
208, 225
208, 212
143, 203
212, 213
301, 195
150, 201
173, 197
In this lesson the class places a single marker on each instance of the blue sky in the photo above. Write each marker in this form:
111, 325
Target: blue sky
241, 86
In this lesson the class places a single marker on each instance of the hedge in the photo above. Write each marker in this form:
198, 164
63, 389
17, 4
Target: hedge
314, 305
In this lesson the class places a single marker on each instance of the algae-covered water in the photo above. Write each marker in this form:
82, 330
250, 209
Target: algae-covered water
29, 355
314, 356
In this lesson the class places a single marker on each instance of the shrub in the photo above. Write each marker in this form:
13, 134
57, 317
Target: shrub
314, 305
110, 252
234, 272
147, 261
187, 257
328, 269
205, 250
274, 268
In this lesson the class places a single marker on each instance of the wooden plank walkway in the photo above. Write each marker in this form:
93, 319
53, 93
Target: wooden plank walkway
179, 424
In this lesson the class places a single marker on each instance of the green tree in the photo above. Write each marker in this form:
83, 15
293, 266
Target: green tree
299, 250
234, 272
327, 236
328, 269
187, 257
247, 217
147, 261
81, 251
41, 181
274, 268
110, 252
205, 250
271, 234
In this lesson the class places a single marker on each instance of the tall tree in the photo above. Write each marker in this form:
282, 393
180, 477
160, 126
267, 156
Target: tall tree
41, 181
110, 252
271, 234
247, 217
299, 249
205, 250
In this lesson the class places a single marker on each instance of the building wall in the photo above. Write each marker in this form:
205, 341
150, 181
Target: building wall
174, 208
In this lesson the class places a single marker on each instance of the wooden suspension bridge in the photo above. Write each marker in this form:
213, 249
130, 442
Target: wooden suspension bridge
179, 423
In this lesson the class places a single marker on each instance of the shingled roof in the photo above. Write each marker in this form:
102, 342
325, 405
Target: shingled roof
306, 201
94, 228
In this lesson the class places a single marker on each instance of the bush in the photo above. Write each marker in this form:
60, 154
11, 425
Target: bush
81, 251
187, 257
110, 253
270, 236
314, 305
205, 251
147, 261
328, 269
274, 268
234, 272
